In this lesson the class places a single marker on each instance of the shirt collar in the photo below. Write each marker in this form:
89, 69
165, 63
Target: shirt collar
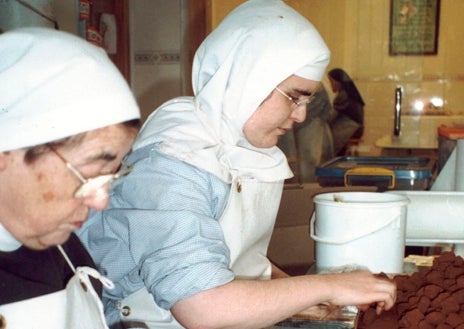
7, 241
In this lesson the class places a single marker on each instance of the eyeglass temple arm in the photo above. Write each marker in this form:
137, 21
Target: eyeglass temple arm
77, 173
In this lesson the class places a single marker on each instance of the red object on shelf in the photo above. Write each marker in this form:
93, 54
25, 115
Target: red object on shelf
451, 132
84, 10
447, 139
94, 36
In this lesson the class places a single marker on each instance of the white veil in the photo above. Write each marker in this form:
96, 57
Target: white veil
257, 46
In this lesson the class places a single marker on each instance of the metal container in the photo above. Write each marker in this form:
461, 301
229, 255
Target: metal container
323, 317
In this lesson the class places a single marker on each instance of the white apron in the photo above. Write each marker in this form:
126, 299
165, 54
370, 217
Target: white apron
247, 222
76, 307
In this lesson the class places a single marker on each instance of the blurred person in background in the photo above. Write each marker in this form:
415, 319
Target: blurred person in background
348, 122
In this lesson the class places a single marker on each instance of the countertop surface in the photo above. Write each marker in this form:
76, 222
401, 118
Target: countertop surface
393, 142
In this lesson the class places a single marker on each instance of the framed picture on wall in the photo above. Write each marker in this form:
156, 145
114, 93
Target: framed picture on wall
414, 27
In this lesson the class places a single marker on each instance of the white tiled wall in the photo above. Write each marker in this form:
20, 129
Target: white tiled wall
156, 34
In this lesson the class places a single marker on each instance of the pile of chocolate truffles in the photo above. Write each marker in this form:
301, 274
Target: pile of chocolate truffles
433, 297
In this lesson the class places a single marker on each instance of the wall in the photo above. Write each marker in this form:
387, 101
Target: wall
422, 77
14, 15
357, 32
66, 15
157, 29
158, 38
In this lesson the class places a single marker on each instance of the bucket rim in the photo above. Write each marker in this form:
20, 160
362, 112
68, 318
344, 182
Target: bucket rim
362, 199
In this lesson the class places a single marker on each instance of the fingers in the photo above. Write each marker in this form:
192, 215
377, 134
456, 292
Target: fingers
379, 308
386, 286
381, 275
365, 288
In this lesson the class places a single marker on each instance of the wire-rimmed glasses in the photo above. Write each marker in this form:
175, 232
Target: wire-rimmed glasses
92, 185
296, 101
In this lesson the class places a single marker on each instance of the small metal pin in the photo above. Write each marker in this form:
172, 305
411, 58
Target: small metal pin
125, 310
84, 286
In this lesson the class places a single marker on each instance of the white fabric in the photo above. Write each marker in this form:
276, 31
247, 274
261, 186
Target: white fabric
47, 312
76, 307
54, 85
84, 308
7, 241
256, 47
247, 222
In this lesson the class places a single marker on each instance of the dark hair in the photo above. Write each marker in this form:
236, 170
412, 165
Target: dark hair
33, 153
346, 83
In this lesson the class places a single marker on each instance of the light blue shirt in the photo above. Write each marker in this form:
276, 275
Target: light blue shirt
160, 230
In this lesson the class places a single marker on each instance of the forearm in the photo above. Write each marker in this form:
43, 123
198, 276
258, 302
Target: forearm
248, 303
258, 304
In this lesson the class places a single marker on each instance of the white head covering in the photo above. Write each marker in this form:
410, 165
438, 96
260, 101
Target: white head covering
54, 85
256, 47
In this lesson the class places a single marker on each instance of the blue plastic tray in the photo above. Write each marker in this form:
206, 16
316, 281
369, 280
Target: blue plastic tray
399, 173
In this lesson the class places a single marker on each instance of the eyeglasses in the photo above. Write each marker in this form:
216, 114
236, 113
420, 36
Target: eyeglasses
90, 186
294, 100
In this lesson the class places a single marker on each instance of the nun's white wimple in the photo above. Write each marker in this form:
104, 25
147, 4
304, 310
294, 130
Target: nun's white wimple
256, 47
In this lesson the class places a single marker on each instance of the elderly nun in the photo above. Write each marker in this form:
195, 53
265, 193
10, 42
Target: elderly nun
67, 118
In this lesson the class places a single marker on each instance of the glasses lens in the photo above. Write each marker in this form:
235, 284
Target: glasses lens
296, 101
93, 185
305, 101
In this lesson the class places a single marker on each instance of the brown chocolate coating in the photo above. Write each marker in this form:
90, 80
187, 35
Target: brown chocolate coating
430, 298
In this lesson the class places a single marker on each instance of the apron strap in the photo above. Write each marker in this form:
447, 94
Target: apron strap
60, 248
85, 270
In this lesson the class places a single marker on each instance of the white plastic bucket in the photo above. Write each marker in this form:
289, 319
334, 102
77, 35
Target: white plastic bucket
366, 229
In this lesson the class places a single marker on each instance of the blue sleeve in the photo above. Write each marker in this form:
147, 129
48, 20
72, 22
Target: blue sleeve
161, 230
